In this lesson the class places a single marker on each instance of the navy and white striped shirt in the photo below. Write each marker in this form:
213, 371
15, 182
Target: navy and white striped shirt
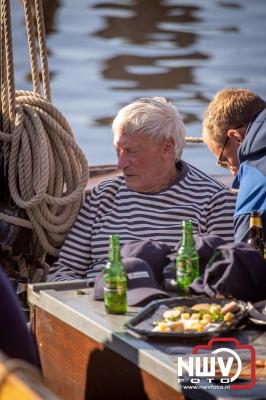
111, 208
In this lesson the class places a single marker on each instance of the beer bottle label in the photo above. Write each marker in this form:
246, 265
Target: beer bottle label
115, 288
184, 267
255, 221
181, 269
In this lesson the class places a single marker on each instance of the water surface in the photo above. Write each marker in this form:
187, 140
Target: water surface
105, 54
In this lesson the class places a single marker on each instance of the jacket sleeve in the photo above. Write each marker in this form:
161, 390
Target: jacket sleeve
251, 197
75, 255
241, 225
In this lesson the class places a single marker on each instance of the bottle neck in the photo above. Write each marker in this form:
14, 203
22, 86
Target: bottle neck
187, 238
114, 249
255, 221
115, 254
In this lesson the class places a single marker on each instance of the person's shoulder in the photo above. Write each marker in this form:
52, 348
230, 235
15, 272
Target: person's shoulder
199, 174
202, 178
109, 186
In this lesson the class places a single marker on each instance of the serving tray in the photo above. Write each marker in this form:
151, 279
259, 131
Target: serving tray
142, 322
257, 312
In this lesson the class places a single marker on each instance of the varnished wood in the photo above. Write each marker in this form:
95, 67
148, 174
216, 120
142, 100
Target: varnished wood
15, 389
99, 173
77, 367
20, 382
102, 169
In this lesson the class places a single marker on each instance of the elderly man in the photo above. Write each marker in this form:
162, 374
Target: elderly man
149, 201
234, 128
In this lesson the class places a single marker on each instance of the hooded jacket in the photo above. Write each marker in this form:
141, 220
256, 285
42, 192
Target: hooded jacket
251, 178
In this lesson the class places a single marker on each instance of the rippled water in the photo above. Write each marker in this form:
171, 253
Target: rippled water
105, 54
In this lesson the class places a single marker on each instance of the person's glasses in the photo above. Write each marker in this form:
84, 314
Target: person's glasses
220, 162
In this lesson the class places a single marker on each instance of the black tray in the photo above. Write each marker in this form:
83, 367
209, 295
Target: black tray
256, 314
141, 323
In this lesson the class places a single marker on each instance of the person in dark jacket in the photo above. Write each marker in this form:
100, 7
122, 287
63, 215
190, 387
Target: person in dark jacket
16, 340
234, 129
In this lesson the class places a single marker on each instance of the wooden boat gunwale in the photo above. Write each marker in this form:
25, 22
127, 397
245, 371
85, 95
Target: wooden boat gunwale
100, 172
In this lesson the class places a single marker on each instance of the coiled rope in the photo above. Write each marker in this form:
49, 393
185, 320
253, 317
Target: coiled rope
46, 170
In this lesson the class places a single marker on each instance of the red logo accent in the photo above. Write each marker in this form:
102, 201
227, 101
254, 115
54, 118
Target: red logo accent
248, 347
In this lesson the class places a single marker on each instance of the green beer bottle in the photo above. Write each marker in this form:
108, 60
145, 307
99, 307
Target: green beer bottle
187, 259
115, 280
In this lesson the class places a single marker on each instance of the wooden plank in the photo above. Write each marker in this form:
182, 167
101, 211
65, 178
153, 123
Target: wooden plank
100, 173
77, 367
14, 388
102, 169
20, 382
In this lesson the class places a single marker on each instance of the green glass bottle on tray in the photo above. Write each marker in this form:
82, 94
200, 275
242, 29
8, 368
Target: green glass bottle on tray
115, 280
187, 260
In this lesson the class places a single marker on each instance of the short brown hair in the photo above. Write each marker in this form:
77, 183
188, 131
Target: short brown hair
230, 108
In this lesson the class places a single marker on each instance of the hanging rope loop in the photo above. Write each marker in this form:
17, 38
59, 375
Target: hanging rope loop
47, 172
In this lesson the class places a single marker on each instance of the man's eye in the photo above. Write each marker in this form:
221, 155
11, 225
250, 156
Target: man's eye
127, 152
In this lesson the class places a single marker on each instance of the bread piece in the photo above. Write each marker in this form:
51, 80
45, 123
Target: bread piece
201, 306
174, 313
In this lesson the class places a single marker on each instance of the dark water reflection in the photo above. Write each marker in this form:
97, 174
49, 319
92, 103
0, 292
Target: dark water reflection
104, 54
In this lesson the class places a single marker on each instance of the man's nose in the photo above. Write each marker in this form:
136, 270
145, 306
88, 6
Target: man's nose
123, 160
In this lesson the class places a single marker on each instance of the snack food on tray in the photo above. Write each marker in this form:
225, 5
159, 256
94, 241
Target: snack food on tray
201, 317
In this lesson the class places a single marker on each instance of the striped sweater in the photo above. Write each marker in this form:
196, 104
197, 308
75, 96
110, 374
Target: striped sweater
112, 208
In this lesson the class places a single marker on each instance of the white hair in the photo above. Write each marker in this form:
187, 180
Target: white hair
154, 117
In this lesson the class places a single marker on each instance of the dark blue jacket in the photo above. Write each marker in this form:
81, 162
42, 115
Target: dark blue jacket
251, 177
15, 339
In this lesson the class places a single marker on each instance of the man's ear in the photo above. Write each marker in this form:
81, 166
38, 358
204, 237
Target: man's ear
168, 146
236, 135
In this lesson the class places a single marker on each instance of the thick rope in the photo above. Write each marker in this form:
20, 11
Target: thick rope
32, 48
42, 47
9, 70
47, 171
7, 75
43, 51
